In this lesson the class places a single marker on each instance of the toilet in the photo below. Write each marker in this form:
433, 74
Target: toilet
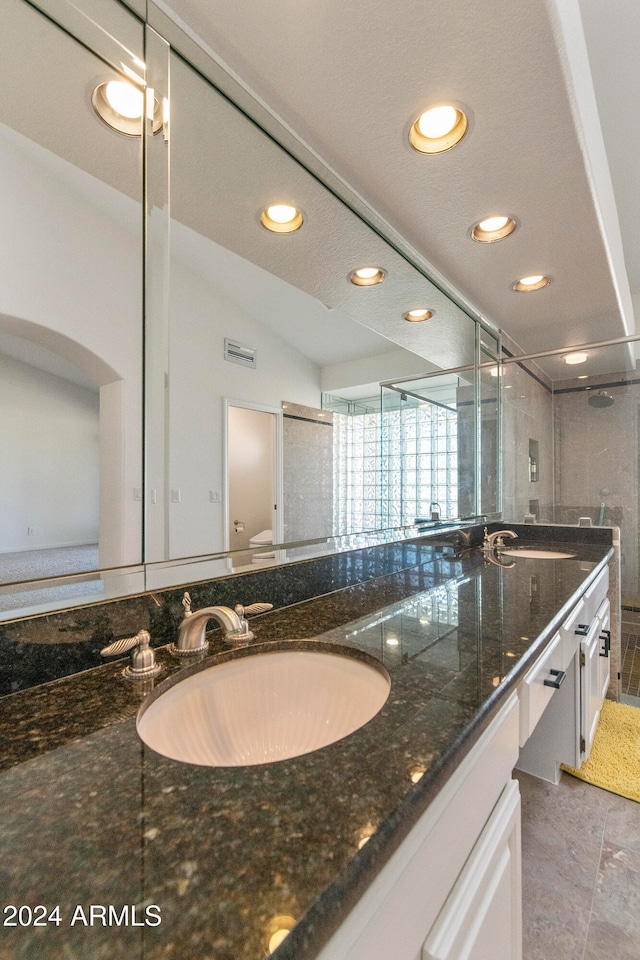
262, 539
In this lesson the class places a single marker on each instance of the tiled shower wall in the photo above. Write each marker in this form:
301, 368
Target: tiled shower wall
307, 472
589, 457
596, 452
527, 414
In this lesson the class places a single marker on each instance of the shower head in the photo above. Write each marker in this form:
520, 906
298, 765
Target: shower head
600, 399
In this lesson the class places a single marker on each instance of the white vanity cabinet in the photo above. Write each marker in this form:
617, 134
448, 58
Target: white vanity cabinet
452, 889
481, 918
562, 694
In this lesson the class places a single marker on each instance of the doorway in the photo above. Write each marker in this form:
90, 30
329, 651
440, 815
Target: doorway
253, 473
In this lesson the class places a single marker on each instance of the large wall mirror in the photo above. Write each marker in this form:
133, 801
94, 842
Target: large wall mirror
270, 345
256, 341
70, 308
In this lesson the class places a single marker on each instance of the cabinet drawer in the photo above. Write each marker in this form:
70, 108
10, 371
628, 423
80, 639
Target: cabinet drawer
534, 692
574, 628
596, 593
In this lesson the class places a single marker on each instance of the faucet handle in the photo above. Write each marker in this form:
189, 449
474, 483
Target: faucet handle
186, 603
252, 608
126, 643
143, 659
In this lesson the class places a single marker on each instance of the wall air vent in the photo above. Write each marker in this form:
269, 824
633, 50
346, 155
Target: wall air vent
237, 353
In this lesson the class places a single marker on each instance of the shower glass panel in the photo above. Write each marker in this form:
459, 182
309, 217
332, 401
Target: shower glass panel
489, 382
596, 423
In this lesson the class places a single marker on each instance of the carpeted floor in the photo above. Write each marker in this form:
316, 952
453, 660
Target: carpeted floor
39, 564
35, 564
614, 760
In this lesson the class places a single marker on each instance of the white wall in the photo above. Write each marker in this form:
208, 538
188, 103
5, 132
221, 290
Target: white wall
199, 379
52, 483
386, 366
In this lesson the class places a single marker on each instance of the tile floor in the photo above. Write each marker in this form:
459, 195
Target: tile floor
581, 872
630, 685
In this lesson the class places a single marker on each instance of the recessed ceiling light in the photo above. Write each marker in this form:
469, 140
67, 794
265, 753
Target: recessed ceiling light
367, 276
281, 218
418, 315
493, 228
535, 282
121, 105
583, 376
573, 358
438, 129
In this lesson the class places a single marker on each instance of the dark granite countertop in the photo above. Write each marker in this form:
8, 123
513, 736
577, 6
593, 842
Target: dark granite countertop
91, 816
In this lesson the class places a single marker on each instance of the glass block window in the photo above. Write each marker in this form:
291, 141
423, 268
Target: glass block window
391, 466
420, 445
357, 468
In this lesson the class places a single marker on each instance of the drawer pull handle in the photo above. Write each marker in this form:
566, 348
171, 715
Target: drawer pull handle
559, 677
582, 629
606, 636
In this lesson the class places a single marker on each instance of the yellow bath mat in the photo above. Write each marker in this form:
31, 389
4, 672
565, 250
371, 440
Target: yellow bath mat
614, 761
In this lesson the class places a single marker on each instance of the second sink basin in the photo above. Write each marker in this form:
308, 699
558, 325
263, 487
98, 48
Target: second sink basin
258, 707
535, 554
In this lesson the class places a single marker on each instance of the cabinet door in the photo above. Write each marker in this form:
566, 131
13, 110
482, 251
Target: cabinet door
594, 678
482, 917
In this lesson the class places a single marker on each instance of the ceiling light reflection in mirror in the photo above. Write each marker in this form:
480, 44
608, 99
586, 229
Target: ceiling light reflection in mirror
120, 103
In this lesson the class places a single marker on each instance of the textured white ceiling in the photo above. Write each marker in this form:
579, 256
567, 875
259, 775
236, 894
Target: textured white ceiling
350, 79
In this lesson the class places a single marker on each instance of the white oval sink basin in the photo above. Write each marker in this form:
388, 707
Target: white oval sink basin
263, 707
535, 554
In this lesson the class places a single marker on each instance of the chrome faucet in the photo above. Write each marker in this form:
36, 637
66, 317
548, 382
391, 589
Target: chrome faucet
493, 541
192, 631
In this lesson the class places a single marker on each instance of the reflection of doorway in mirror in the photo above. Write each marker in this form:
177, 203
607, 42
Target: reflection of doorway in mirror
253, 468
49, 474
62, 476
